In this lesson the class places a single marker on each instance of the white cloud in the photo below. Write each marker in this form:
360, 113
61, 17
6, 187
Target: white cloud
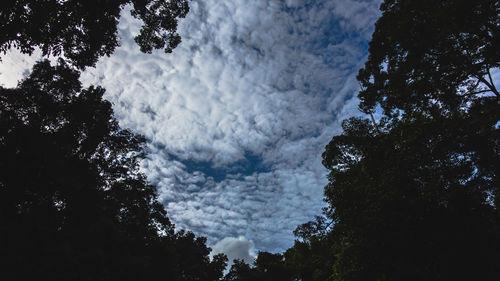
15, 66
235, 248
269, 79
239, 114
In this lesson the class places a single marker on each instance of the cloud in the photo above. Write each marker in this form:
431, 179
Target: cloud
238, 115
235, 248
15, 66
495, 74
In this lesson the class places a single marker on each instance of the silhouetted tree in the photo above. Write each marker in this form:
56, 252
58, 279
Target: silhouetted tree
306, 260
431, 55
73, 204
312, 256
241, 271
415, 200
266, 267
84, 30
415, 195
271, 267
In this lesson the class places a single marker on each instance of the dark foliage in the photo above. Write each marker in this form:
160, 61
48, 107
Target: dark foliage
416, 201
411, 197
267, 267
240, 271
84, 30
308, 260
73, 205
431, 54
415, 196
312, 257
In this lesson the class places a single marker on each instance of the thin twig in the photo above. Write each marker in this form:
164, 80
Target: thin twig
374, 123
492, 88
475, 93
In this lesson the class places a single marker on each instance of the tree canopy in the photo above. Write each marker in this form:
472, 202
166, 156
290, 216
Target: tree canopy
415, 195
84, 30
416, 201
310, 259
411, 196
431, 54
73, 204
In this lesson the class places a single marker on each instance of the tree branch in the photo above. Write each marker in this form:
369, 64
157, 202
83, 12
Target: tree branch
475, 93
374, 123
490, 86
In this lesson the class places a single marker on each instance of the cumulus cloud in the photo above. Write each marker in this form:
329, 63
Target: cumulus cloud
238, 115
15, 66
235, 248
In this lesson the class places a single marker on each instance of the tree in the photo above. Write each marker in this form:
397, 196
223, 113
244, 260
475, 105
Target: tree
241, 271
73, 204
415, 195
414, 201
267, 266
85, 30
271, 267
312, 256
308, 260
431, 54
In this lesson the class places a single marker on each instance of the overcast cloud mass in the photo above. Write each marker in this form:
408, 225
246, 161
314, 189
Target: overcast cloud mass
238, 115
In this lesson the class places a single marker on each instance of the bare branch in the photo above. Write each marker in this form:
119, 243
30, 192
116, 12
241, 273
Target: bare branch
478, 92
490, 86
374, 123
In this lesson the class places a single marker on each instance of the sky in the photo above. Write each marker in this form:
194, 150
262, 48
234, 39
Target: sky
237, 117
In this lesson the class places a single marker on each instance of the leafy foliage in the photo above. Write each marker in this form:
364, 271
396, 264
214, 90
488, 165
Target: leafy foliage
415, 196
416, 200
73, 204
84, 30
411, 197
431, 54
268, 267
311, 260
240, 271
308, 260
